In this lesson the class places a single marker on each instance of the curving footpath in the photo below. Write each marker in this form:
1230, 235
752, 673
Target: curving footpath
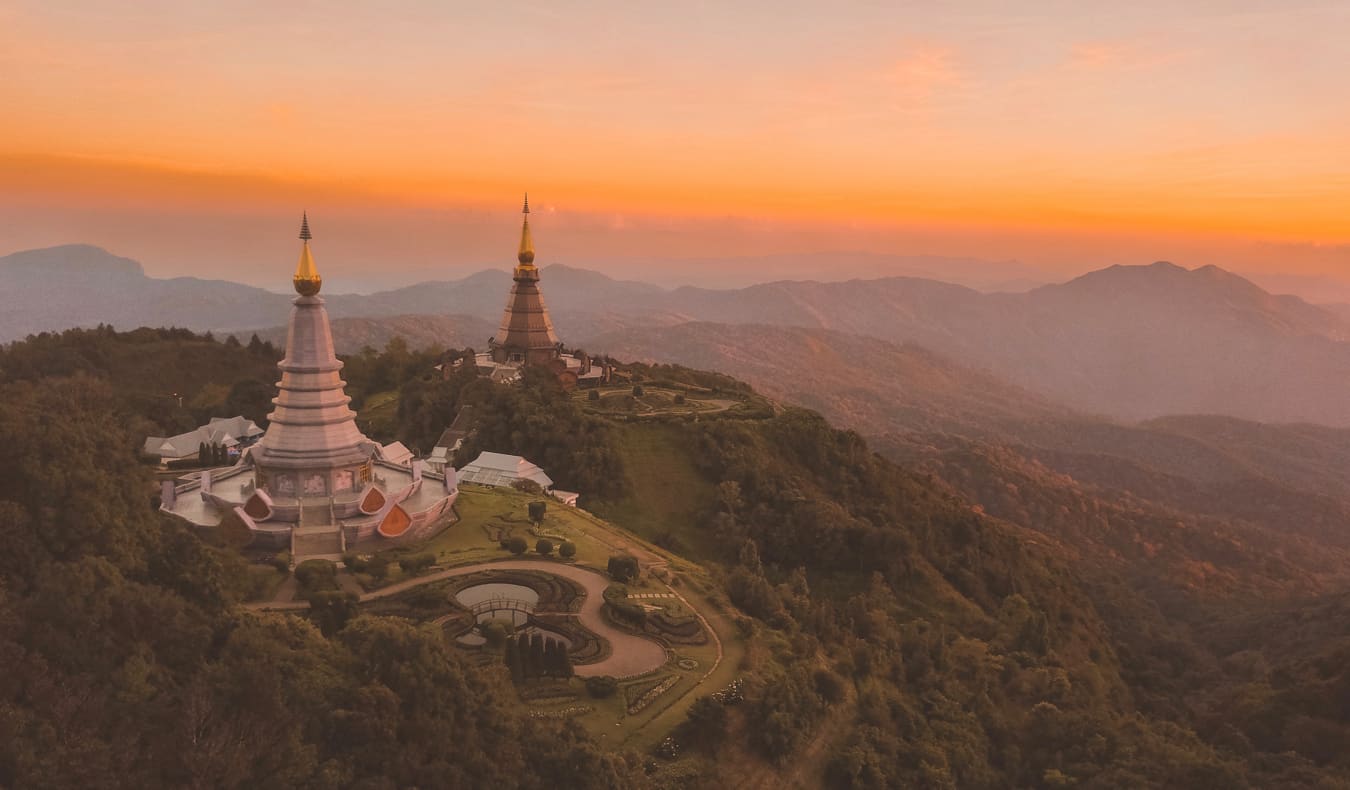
629, 655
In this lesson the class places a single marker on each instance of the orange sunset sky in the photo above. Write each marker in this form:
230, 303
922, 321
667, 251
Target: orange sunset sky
704, 142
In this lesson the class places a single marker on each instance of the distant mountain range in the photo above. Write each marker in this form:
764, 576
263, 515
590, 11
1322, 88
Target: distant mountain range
1130, 342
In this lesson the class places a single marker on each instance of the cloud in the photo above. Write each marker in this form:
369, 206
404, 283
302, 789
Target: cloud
920, 75
1115, 56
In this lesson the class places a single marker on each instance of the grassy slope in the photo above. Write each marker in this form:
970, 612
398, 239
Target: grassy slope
379, 415
667, 495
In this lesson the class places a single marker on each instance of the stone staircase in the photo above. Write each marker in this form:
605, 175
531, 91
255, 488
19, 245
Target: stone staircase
318, 535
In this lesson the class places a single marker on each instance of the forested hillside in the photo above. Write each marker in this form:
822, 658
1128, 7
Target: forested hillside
898, 636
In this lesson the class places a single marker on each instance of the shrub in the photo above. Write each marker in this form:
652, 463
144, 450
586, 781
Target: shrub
593, 395
416, 563
331, 609
567, 550
544, 546
638, 391
495, 632
537, 511
631, 612
378, 567
316, 575
282, 562
706, 725
528, 486
515, 544
680, 400
623, 567
601, 686
354, 562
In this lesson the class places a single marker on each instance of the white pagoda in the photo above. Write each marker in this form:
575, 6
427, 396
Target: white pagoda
314, 482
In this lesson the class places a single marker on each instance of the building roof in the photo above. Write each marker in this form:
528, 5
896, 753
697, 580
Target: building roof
498, 469
240, 428
452, 436
396, 453
227, 431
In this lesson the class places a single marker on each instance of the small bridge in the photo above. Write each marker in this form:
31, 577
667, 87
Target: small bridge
492, 605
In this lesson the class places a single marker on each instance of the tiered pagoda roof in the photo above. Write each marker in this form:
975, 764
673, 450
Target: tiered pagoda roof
526, 333
311, 426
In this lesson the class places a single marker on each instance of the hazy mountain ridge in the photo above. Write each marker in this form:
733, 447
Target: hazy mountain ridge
1133, 342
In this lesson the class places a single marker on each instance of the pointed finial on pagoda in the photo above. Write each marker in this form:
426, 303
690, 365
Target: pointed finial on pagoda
307, 281
526, 254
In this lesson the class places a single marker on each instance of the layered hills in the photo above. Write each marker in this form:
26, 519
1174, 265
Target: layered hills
1130, 342
968, 618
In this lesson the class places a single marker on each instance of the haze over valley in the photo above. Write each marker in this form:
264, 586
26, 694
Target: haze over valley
1128, 342
612, 395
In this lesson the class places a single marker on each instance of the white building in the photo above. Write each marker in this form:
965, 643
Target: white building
234, 433
498, 469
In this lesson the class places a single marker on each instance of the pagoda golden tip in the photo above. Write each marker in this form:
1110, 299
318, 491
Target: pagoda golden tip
306, 280
526, 254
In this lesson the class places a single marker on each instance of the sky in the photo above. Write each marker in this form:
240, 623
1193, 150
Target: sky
708, 142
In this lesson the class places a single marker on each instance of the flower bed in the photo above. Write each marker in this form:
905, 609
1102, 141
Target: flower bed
565, 713
650, 695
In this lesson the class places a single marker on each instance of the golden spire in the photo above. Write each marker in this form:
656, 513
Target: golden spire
306, 280
526, 254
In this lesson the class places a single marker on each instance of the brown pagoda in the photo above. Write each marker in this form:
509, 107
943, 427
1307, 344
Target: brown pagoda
526, 335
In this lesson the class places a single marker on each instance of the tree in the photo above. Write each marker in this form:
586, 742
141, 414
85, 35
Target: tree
638, 391
203, 455
565, 669
513, 660
601, 686
537, 510
567, 550
515, 544
706, 725
332, 609
250, 398
544, 546
378, 567
316, 575
623, 567
537, 663
494, 631
550, 657
593, 395
416, 563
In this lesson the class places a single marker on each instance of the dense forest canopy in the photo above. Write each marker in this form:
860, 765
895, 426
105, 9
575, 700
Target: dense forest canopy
917, 641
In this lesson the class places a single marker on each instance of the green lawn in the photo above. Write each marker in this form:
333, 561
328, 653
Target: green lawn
620, 401
487, 514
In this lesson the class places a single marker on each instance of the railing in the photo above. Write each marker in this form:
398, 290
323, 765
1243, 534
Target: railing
501, 605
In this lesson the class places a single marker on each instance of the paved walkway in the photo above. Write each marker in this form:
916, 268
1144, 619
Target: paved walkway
630, 654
